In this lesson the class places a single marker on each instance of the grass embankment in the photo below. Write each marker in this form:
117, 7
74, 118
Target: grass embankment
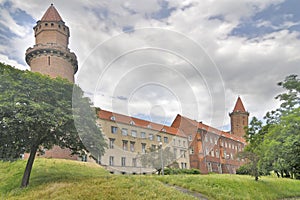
226, 186
62, 179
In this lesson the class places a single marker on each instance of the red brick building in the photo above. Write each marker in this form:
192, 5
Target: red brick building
213, 150
50, 55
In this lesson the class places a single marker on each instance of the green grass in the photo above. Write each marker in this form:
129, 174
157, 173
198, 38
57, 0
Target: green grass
226, 186
62, 179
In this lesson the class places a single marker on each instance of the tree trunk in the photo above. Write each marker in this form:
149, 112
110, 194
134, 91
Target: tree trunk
26, 175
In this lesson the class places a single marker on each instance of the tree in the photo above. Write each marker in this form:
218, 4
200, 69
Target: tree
38, 112
275, 146
254, 137
281, 145
156, 158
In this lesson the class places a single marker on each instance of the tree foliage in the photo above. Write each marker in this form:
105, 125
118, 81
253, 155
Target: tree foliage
156, 158
275, 146
37, 112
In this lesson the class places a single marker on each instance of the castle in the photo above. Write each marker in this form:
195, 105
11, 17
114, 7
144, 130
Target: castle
194, 144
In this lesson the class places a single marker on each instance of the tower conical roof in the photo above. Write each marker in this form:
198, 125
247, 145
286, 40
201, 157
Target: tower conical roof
239, 106
51, 15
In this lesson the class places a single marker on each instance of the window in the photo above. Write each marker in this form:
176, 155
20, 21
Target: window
111, 143
133, 162
52, 24
125, 145
132, 123
225, 144
143, 135
166, 139
153, 146
163, 130
225, 155
174, 141
229, 145
149, 126
143, 148
191, 150
212, 153
150, 136
49, 60
206, 138
111, 160
132, 146
217, 153
183, 143
123, 161
158, 138
124, 131
231, 156
112, 118
183, 165
179, 142
206, 151
182, 153
190, 137
46, 24
209, 167
114, 129
210, 139
175, 152
216, 140
133, 133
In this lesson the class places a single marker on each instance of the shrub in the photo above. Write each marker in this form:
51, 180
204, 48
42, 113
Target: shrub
170, 171
243, 170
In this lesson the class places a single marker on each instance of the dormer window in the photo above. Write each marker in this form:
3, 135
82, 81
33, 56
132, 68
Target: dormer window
163, 130
131, 123
112, 118
149, 126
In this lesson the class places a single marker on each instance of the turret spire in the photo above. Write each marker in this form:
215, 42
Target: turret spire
51, 15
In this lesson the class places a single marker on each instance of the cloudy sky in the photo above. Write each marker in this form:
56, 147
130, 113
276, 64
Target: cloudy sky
153, 59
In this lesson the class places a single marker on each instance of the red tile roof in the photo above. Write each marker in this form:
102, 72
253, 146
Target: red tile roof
203, 126
51, 15
239, 106
107, 115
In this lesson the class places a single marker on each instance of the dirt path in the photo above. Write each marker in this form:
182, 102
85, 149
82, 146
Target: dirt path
184, 190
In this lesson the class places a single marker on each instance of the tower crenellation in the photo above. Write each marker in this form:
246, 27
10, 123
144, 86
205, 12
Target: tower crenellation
50, 55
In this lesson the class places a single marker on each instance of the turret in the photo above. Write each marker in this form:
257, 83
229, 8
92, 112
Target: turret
239, 119
50, 54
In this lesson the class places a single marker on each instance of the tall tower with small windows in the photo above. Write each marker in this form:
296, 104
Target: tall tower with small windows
239, 118
50, 55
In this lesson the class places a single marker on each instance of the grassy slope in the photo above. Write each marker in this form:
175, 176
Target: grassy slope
226, 186
62, 179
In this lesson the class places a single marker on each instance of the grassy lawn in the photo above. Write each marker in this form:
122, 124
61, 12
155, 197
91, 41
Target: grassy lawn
226, 186
62, 179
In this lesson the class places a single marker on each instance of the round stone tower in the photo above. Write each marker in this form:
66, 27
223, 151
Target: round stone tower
239, 118
50, 55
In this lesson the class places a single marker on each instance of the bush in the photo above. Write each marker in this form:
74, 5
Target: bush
171, 171
243, 170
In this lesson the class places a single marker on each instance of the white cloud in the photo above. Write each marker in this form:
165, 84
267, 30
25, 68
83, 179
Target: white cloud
6, 60
248, 67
